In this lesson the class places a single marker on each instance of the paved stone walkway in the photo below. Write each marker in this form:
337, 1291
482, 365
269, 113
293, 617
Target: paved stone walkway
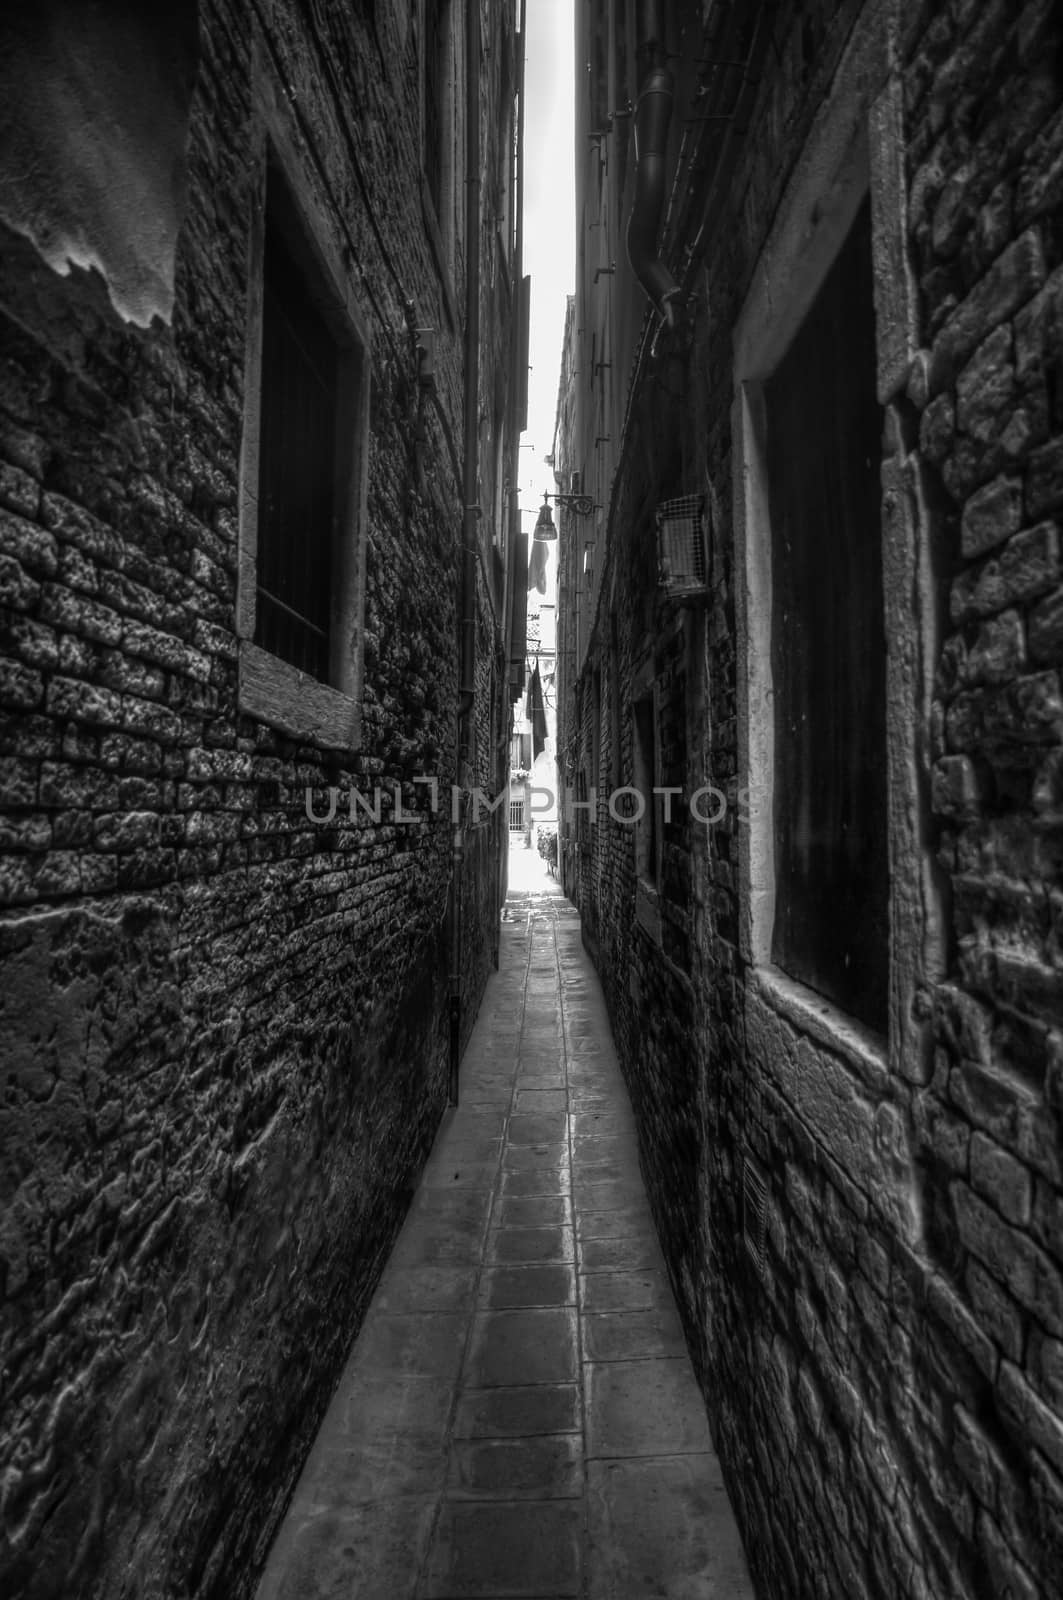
518, 1416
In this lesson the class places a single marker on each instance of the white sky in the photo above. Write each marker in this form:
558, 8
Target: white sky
549, 237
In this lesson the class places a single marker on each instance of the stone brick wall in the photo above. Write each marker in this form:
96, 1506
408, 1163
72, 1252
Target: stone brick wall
884, 1385
223, 1026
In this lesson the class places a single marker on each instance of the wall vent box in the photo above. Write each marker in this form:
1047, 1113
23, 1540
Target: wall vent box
681, 565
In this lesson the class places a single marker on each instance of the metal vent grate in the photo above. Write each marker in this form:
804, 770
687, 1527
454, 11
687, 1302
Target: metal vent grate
681, 567
754, 1211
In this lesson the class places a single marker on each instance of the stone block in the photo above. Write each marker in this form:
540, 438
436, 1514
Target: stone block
809, 1401
1040, 186
990, 516
985, 389
975, 1457
874, 1263
1011, 1256
945, 1304
1006, 1573
1046, 629
1035, 1423
32, 547
998, 652
1048, 1206
18, 591
879, 1459
76, 525
1001, 1179
937, 428
1046, 1495
19, 491
1037, 331
1044, 479
949, 1137
21, 687
1014, 278
1026, 567
1044, 1366
31, 643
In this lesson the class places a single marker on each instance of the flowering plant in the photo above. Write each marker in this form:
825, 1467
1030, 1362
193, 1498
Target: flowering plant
547, 846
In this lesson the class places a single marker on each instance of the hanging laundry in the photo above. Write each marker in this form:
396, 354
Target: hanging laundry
536, 711
537, 566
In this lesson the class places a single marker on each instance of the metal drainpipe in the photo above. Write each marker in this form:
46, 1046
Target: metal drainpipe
653, 115
470, 528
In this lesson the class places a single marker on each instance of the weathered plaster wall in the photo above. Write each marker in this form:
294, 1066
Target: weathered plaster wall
93, 114
223, 1027
885, 1390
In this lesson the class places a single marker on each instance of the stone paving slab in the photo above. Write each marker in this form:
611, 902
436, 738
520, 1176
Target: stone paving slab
518, 1416
665, 1516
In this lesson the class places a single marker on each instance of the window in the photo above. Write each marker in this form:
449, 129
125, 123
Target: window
839, 913
823, 433
814, 265
434, 82
507, 157
303, 463
647, 832
615, 745
583, 826
624, 92
438, 133
598, 67
596, 742
297, 461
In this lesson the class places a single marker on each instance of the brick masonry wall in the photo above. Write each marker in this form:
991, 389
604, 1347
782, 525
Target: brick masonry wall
885, 1390
223, 1027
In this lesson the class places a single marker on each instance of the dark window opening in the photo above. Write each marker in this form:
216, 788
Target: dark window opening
297, 456
647, 833
624, 94
434, 80
616, 764
596, 742
598, 66
828, 646
506, 157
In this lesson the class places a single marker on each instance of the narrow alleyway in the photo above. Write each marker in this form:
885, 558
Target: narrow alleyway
519, 1415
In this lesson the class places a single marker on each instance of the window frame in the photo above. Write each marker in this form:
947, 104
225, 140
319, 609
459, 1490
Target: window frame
649, 828
856, 147
801, 425
616, 762
439, 213
596, 744
269, 688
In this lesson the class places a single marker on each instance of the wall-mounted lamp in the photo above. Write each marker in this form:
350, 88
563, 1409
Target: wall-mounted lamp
426, 357
581, 504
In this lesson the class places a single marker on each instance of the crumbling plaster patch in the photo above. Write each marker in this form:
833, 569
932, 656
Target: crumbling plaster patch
94, 107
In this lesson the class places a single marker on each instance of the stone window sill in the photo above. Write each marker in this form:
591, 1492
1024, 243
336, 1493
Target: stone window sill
648, 909
864, 1051
279, 694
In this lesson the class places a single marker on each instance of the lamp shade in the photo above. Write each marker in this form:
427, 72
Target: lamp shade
544, 527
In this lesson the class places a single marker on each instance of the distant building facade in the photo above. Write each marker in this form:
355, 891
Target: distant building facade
262, 579
809, 661
533, 749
